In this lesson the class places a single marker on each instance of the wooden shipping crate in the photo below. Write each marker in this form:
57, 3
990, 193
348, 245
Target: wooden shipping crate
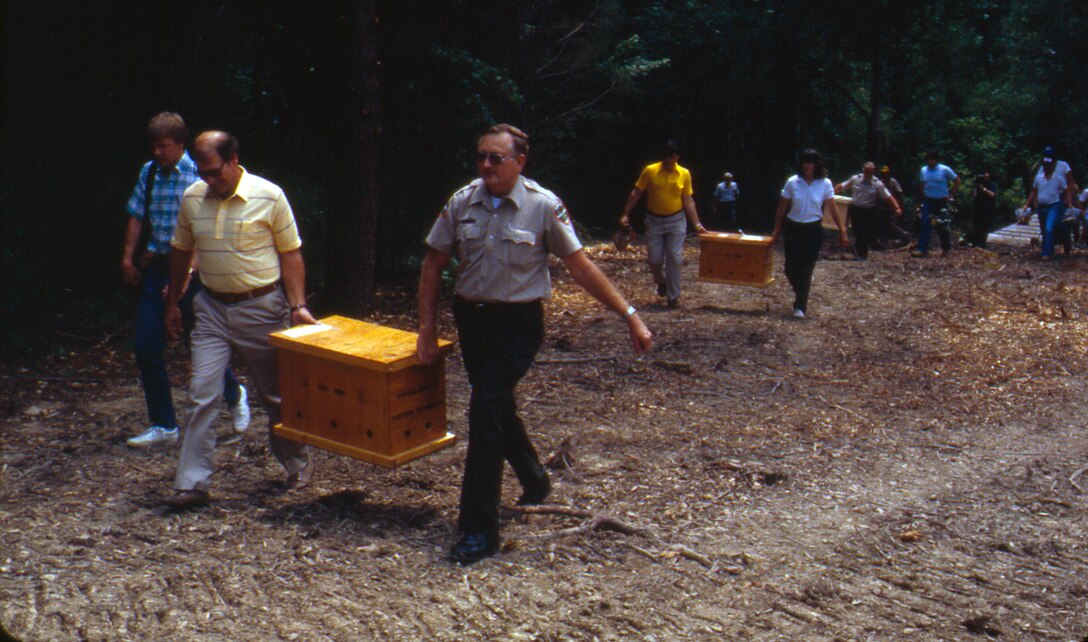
736, 259
355, 388
841, 205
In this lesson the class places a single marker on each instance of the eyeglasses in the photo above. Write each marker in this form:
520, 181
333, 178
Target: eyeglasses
211, 173
493, 158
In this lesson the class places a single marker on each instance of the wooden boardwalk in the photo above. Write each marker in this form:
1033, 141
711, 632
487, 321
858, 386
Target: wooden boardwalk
1019, 235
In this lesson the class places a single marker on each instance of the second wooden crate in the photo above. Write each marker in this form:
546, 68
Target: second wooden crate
736, 259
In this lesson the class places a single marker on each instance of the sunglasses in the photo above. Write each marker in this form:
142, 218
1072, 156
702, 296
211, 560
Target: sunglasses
211, 173
493, 158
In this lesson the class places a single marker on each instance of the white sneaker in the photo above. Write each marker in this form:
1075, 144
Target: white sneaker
798, 313
154, 436
239, 414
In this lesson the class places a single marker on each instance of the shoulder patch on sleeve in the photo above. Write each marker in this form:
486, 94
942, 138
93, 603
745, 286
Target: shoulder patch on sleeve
561, 213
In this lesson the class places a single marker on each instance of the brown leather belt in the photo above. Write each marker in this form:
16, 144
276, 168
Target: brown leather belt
230, 298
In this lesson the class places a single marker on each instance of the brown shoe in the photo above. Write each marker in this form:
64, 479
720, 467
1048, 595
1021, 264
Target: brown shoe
673, 304
183, 499
301, 479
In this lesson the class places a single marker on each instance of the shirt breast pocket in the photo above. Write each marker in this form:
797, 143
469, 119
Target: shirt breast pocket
470, 242
250, 235
519, 247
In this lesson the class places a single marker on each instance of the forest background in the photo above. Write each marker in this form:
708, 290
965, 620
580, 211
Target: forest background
367, 114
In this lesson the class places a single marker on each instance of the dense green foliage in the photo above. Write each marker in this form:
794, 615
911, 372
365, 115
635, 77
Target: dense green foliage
742, 84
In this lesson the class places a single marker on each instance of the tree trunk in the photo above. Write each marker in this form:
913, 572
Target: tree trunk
875, 143
875, 139
352, 223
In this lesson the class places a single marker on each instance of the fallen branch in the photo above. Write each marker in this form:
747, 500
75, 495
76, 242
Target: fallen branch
754, 472
563, 457
573, 360
680, 367
1073, 478
597, 521
694, 555
846, 410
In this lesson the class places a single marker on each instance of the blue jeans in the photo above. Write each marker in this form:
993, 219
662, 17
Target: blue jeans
151, 342
1051, 215
930, 208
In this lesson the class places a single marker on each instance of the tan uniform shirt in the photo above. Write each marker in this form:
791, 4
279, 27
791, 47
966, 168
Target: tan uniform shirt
503, 251
238, 239
867, 194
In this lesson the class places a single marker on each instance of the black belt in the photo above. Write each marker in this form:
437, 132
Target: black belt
495, 305
230, 298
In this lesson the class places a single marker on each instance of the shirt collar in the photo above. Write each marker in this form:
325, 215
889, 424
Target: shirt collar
242, 191
184, 164
481, 195
245, 185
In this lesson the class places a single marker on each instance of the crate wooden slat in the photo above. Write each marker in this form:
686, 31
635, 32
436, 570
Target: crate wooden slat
356, 389
841, 205
736, 259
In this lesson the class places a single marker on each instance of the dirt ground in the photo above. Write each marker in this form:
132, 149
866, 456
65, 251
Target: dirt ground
908, 463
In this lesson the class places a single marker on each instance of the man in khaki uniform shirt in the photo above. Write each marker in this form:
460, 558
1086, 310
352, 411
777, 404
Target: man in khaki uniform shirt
502, 227
867, 191
243, 230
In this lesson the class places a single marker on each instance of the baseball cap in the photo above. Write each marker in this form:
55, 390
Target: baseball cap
1049, 151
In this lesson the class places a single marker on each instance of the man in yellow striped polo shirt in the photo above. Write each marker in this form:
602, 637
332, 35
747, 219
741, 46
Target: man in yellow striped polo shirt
668, 199
243, 231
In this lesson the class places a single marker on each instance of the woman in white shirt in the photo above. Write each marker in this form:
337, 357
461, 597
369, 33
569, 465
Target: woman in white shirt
799, 222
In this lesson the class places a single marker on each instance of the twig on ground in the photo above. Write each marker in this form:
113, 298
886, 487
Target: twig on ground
1073, 478
572, 360
846, 410
694, 555
596, 520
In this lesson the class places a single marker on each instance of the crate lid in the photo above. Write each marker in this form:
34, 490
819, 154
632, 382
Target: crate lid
735, 237
354, 342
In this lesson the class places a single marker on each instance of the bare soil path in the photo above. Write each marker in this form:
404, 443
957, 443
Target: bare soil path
910, 462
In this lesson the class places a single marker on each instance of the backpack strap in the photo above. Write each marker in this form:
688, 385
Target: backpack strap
145, 228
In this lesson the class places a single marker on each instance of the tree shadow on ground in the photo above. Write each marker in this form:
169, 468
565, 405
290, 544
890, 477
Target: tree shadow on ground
351, 506
717, 309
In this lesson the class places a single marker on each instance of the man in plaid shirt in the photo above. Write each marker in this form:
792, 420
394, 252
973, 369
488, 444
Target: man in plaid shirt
145, 266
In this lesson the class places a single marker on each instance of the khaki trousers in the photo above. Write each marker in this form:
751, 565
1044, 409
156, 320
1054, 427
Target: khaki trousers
221, 330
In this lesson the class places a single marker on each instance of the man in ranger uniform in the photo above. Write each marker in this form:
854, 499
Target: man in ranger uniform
502, 227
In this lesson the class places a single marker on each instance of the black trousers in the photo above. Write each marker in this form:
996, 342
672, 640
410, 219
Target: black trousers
499, 342
725, 215
865, 227
981, 223
802, 242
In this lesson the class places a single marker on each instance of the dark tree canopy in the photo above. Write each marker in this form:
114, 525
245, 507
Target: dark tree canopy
351, 105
